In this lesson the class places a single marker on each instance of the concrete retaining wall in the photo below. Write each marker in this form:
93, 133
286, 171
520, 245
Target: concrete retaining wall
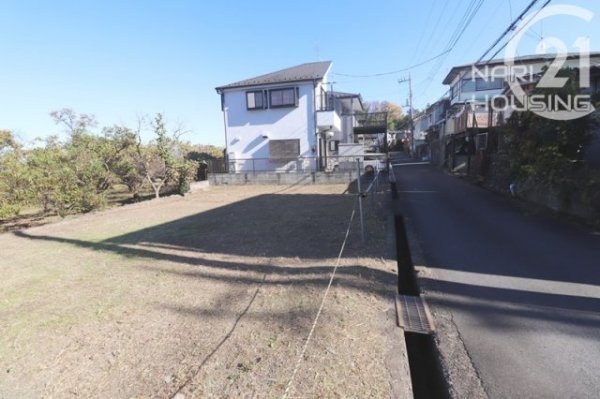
282, 178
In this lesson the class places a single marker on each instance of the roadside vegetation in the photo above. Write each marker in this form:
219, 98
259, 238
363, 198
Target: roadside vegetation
87, 170
545, 158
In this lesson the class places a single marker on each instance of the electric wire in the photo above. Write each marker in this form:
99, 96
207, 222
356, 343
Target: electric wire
510, 28
396, 71
472, 10
436, 26
460, 29
518, 31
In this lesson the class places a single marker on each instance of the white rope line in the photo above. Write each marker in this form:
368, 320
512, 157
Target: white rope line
312, 329
373, 182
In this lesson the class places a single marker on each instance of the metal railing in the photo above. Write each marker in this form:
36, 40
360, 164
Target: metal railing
258, 165
371, 120
330, 163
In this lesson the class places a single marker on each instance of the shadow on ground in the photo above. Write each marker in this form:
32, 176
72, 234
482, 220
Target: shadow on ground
275, 226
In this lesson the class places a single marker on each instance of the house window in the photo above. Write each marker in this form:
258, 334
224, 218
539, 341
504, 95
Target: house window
334, 145
468, 85
284, 149
479, 84
255, 100
454, 92
489, 84
323, 101
287, 97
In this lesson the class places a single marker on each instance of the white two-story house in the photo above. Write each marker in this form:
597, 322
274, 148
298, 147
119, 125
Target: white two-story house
285, 121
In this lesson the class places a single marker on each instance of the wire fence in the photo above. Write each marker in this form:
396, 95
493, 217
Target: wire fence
369, 163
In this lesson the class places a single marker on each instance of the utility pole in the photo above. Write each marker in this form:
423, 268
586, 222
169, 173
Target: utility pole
410, 116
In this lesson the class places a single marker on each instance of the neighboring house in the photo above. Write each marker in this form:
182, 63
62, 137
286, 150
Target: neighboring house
286, 121
473, 87
427, 126
421, 122
437, 113
482, 82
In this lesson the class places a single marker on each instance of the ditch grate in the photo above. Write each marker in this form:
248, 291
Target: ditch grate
412, 314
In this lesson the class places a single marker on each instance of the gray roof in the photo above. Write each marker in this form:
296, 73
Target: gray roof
299, 73
346, 100
518, 60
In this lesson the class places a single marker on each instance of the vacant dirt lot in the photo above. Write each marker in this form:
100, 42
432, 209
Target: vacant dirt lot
211, 295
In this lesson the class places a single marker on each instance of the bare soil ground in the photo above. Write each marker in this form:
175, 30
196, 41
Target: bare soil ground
208, 295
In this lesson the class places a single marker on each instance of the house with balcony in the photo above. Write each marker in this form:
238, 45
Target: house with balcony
286, 121
474, 87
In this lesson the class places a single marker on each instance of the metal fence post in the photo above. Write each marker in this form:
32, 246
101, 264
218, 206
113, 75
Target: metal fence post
360, 209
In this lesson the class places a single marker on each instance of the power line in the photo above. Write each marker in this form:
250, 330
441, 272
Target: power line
518, 30
465, 21
510, 28
425, 27
468, 16
396, 71
436, 26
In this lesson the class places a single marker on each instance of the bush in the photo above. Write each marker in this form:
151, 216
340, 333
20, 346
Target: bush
187, 172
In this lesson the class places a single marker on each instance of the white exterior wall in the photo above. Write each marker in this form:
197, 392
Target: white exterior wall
246, 129
347, 134
420, 125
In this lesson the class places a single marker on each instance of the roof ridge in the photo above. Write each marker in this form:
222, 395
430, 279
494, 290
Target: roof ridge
302, 72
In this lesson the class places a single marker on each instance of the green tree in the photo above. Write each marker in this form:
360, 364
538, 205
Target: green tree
88, 159
186, 174
74, 123
120, 145
395, 114
7, 141
162, 162
14, 177
76, 175
545, 152
98, 161
53, 180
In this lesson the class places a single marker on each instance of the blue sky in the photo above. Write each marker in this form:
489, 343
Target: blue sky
122, 59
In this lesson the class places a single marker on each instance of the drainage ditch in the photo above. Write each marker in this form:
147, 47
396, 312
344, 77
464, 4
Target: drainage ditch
426, 371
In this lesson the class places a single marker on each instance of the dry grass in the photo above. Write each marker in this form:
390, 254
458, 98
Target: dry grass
211, 295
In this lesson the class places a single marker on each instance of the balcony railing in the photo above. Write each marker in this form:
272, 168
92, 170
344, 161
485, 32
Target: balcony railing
371, 123
331, 163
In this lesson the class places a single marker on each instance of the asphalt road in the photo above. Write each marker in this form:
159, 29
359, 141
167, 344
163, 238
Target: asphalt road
523, 287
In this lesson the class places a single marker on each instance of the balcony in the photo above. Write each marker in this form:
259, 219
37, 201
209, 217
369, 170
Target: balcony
469, 117
371, 123
329, 120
